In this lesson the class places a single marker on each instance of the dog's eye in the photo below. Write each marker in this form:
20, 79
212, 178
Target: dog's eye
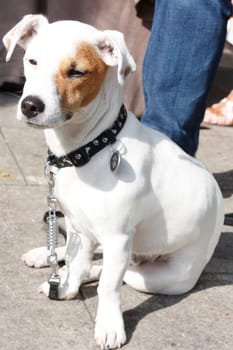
72, 73
32, 62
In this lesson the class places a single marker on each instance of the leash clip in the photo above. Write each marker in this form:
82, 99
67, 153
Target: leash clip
50, 169
54, 281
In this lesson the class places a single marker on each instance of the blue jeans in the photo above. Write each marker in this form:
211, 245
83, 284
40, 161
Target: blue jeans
184, 49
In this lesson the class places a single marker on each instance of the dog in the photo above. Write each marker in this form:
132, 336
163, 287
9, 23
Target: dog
156, 211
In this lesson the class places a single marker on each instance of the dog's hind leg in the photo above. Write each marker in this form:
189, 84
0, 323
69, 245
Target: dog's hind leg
159, 278
177, 274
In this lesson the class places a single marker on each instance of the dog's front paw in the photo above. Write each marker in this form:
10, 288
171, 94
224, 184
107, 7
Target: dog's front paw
44, 289
63, 292
66, 289
109, 329
36, 257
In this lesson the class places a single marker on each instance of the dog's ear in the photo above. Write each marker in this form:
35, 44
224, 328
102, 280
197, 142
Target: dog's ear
23, 33
114, 52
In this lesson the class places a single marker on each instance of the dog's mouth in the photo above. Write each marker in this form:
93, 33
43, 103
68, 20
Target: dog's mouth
49, 122
68, 116
36, 126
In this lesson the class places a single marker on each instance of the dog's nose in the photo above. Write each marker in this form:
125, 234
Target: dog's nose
31, 106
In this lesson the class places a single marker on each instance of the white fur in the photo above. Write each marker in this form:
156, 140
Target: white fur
161, 203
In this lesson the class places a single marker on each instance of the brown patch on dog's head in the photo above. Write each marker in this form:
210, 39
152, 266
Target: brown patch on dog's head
79, 78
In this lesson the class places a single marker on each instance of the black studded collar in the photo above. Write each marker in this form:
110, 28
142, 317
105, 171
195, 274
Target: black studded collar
82, 155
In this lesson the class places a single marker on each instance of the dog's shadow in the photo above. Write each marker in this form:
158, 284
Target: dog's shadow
225, 181
218, 272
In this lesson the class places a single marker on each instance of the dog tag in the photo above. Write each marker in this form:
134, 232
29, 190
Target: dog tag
115, 161
54, 281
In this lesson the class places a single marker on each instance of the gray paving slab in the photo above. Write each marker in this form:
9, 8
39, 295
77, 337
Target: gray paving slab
30, 152
23, 151
10, 173
215, 151
8, 106
28, 320
22, 204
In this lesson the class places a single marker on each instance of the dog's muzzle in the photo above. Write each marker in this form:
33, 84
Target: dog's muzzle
31, 106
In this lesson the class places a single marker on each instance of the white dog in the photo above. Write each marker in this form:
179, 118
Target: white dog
156, 211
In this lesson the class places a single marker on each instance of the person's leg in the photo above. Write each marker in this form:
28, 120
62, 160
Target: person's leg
184, 49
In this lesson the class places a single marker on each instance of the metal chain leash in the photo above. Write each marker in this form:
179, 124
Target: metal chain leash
54, 279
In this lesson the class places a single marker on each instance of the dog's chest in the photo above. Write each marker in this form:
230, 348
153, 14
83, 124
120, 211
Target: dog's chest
73, 198
96, 199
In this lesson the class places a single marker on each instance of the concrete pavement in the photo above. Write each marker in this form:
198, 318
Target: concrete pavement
201, 319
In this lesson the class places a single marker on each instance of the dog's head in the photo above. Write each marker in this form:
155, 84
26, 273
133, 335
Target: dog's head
65, 66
